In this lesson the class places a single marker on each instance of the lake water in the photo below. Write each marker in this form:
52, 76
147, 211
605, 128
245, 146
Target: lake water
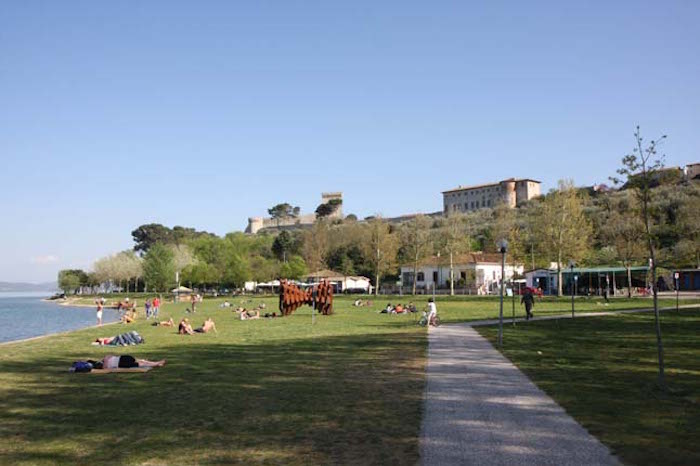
25, 315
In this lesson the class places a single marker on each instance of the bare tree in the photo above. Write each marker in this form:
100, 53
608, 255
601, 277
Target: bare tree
380, 248
316, 245
454, 239
641, 168
415, 239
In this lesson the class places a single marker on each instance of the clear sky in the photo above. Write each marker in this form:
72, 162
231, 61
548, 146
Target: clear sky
202, 114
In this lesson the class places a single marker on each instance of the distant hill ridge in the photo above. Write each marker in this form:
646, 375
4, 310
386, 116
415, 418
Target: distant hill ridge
19, 286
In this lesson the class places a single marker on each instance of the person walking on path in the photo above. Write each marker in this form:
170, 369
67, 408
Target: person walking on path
99, 312
193, 300
147, 306
529, 300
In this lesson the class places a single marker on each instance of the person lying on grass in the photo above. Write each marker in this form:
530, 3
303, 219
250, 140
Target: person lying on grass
164, 323
112, 361
124, 339
249, 315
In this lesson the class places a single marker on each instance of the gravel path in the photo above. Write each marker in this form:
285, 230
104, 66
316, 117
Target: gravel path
480, 409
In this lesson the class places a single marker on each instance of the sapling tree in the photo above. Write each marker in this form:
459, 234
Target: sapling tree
641, 170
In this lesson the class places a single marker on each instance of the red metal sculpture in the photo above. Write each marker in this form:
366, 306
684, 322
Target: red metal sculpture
292, 297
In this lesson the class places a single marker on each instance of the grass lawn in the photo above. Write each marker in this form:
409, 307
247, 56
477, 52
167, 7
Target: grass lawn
347, 390
603, 371
274, 391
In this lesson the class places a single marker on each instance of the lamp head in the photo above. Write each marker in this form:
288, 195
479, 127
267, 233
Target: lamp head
572, 263
503, 246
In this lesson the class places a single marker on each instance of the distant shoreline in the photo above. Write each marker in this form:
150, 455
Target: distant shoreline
67, 302
4, 343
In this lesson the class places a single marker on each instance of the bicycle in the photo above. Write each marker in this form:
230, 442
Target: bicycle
424, 320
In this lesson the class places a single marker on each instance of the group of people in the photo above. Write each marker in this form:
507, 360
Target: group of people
127, 308
399, 309
152, 307
185, 328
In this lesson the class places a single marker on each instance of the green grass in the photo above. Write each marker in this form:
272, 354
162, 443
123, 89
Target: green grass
347, 390
603, 371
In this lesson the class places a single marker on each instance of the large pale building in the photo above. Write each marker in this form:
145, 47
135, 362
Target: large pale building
512, 192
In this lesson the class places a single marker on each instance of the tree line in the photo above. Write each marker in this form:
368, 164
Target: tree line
567, 224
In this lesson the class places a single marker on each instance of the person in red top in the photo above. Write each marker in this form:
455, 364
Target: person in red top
155, 307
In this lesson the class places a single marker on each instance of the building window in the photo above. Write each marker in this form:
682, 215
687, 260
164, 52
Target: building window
465, 206
435, 276
420, 277
489, 203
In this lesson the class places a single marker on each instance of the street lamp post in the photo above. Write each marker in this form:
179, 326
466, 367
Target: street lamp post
502, 247
512, 293
677, 276
571, 265
438, 274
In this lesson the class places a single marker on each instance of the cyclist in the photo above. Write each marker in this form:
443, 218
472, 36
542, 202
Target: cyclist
432, 311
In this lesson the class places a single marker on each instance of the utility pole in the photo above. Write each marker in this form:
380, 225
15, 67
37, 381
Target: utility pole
502, 247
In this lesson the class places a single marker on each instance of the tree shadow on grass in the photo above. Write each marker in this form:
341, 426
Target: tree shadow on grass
603, 371
342, 400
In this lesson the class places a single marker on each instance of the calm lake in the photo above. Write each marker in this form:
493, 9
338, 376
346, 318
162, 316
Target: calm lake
25, 315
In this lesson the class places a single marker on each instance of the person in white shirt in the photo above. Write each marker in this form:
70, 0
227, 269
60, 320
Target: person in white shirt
432, 311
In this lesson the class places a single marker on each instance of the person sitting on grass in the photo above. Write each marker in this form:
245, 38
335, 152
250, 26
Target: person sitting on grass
249, 315
389, 309
399, 309
129, 317
207, 326
165, 323
185, 328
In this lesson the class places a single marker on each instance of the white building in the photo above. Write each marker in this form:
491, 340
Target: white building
475, 272
342, 282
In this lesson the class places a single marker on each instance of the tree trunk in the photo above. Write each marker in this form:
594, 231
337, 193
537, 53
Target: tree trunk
376, 279
659, 342
415, 278
652, 256
452, 276
559, 284
629, 281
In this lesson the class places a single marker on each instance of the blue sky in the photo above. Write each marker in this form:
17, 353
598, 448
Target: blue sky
115, 114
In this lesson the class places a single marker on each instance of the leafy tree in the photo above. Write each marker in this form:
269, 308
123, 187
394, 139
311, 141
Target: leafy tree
159, 267
283, 210
282, 245
640, 168
328, 208
624, 231
146, 236
69, 280
294, 268
380, 249
563, 228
